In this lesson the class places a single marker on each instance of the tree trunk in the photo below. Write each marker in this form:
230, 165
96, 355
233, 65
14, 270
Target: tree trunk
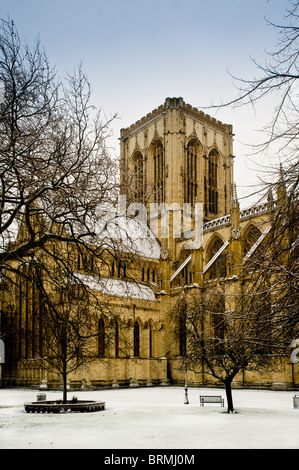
64, 382
228, 390
64, 361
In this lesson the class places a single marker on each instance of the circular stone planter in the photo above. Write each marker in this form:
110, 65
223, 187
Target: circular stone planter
80, 406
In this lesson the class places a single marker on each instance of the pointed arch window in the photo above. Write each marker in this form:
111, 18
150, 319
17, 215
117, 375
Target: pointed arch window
183, 331
85, 262
30, 305
116, 338
218, 268
150, 340
101, 338
138, 177
252, 236
219, 324
136, 339
213, 182
159, 165
191, 188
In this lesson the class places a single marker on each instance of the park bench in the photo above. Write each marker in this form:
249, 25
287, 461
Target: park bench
211, 399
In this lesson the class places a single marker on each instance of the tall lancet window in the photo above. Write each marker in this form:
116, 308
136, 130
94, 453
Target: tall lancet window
158, 156
150, 340
252, 235
218, 268
138, 177
136, 339
192, 159
115, 333
101, 338
212, 182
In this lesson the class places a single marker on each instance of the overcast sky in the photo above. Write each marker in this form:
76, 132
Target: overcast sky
136, 53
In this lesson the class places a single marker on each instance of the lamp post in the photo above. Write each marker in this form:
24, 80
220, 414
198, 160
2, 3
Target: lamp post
186, 402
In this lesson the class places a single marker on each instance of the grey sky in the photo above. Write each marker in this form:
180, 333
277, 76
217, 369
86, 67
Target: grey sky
136, 53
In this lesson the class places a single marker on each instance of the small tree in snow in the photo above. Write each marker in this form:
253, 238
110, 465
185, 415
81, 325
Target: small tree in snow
226, 333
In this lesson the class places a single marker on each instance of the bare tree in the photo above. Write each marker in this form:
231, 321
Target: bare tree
275, 265
278, 77
54, 164
59, 192
226, 332
69, 316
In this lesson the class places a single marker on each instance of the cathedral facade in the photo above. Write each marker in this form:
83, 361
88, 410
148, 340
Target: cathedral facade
176, 168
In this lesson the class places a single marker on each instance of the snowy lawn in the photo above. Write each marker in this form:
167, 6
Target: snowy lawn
153, 418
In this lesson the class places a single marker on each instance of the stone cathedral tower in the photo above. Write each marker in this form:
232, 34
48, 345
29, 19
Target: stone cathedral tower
174, 158
177, 154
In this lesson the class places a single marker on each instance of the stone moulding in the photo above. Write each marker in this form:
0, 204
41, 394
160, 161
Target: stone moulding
244, 214
81, 406
175, 103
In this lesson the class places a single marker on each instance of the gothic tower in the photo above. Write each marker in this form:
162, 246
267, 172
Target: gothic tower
177, 154
174, 157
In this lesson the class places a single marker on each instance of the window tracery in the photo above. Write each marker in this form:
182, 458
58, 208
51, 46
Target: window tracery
136, 339
253, 234
218, 268
159, 170
138, 177
192, 163
101, 338
213, 182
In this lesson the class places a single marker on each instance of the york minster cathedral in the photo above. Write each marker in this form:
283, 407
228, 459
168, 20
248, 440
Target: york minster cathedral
189, 236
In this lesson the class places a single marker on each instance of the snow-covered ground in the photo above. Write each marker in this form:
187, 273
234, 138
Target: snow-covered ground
153, 418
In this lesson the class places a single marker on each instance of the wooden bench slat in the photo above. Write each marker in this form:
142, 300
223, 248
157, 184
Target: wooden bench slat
211, 399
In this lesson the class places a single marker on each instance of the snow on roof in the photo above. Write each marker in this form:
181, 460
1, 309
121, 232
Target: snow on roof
122, 233
131, 235
117, 287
